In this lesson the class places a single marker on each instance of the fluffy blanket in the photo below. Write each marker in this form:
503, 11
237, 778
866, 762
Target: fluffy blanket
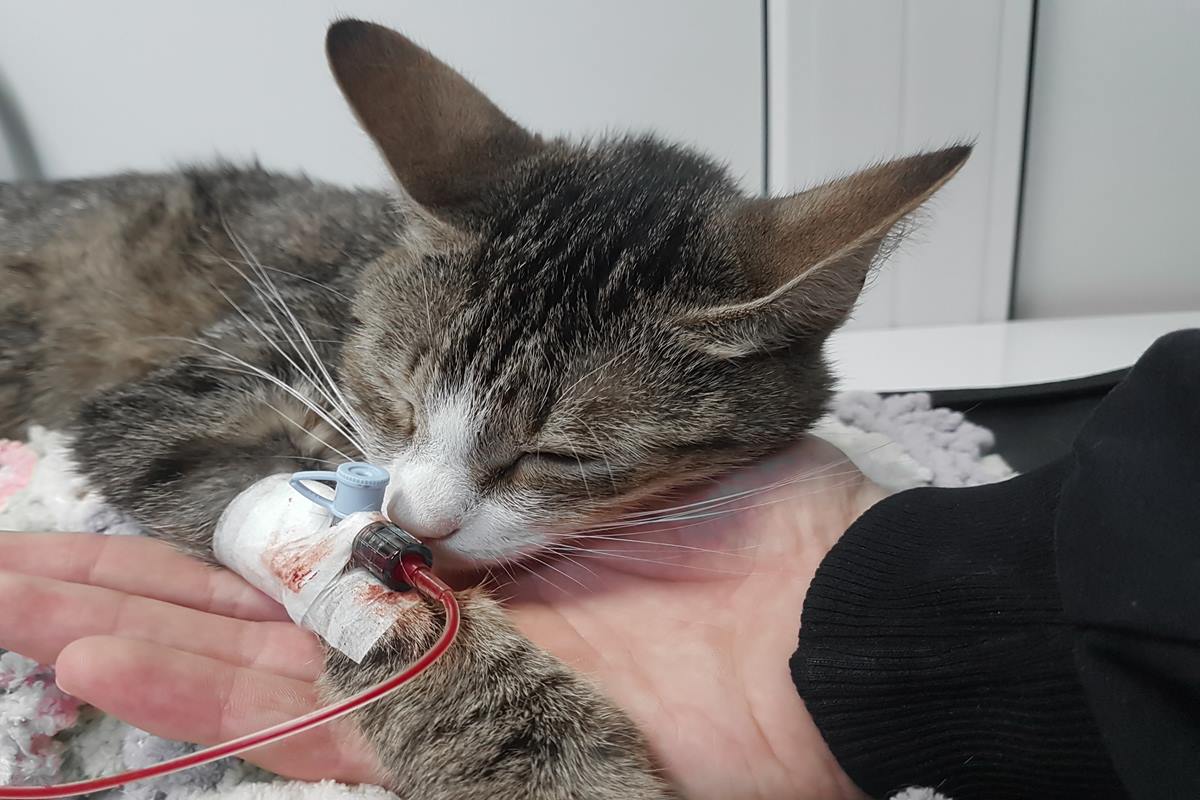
46, 735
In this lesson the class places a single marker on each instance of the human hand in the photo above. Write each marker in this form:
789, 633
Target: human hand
172, 646
687, 625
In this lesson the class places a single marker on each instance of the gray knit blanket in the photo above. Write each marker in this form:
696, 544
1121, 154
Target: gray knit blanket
47, 736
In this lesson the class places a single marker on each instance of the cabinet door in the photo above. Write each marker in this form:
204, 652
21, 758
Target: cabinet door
1109, 216
146, 84
852, 81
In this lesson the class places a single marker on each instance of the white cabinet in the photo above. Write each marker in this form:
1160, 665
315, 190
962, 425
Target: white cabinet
1110, 204
851, 81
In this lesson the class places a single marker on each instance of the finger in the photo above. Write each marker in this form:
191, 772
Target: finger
42, 616
136, 565
182, 696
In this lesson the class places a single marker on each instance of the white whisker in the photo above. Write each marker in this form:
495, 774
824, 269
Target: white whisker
706, 518
293, 392
582, 473
709, 508
806, 475
256, 371
736, 552
258, 329
539, 576
511, 576
338, 400
565, 554
702, 518
612, 479
613, 554
306, 431
305, 458
340, 295
548, 565
428, 305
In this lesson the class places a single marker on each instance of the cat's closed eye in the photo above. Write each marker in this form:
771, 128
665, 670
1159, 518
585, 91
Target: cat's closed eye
555, 459
559, 462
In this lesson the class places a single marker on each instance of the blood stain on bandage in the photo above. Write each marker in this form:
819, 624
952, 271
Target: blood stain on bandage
373, 593
294, 566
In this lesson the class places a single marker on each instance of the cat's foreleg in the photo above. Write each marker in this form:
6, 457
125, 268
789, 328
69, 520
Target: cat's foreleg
496, 717
176, 447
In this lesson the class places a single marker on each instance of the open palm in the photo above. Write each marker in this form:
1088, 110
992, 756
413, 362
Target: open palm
686, 622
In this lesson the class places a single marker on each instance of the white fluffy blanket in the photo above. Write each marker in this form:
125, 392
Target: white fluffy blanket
45, 735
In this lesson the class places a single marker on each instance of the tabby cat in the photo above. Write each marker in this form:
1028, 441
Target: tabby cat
532, 335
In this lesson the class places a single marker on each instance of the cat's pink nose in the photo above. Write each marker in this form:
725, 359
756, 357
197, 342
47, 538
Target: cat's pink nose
431, 529
423, 520
428, 501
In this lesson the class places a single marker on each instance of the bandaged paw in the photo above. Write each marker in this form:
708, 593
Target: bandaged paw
286, 546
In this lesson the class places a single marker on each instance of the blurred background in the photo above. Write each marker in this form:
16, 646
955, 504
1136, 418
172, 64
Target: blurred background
1079, 200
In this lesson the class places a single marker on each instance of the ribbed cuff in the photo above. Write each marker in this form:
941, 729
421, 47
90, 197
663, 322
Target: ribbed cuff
933, 650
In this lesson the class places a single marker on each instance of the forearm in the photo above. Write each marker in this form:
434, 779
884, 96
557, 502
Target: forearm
174, 449
933, 651
1038, 637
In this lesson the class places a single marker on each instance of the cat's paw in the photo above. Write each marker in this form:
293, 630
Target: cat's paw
495, 717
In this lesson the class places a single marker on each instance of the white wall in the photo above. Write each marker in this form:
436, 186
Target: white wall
148, 84
1111, 199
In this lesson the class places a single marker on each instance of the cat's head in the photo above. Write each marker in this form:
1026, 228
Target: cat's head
564, 330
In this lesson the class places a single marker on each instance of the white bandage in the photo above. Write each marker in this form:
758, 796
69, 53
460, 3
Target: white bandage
285, 546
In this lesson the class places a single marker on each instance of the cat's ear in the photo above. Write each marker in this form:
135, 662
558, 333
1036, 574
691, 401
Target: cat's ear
805, 257
444, 140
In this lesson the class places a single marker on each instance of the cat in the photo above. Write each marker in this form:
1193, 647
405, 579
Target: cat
532, 335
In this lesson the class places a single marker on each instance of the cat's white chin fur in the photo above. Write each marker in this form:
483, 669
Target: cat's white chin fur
493, 533
441, 508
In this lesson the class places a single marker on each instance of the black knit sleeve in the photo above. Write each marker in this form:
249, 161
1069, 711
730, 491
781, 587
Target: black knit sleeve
1036, 638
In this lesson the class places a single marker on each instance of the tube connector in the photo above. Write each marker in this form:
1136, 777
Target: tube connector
381, 549
358, 487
